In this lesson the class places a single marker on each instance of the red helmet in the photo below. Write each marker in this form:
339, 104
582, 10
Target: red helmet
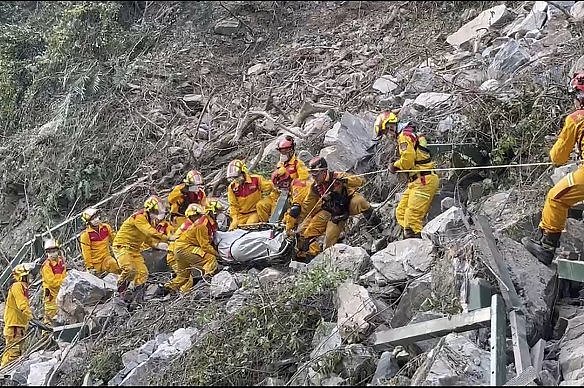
281, 178
577, 86
286, 143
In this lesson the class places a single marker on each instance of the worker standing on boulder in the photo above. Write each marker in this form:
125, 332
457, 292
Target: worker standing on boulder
53, 272
95, 243
423, 183
135, 231
246, 193
331, 199
570, 189
17, 314
181, 196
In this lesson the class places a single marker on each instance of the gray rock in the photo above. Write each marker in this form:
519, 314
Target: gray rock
535, 283
39, 372
78, 290
357, 363
317, 125
326, 338
422, 80
348, 142
475, 191
269, 275
333, 381
447, 203
445, 227
571, 243
227, 27
297, 266
571, 355
577, 66
402, 259
387, 368
490, 85
534, 20
385, 84
560, 172
223, 284
256, 69
413, 297
491, 18
577, 11
236, 302
432, 100
455, 361
355, 308
508, 59
354, 260
273, 382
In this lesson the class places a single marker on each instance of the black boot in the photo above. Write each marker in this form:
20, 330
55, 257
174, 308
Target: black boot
372, 218
162, 291
409, 233
543, 249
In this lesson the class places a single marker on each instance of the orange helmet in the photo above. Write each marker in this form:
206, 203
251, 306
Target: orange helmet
193, 178
281, 178
235, 168
286, 143
382, 123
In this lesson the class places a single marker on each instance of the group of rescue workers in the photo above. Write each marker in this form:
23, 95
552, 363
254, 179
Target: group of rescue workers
321, 201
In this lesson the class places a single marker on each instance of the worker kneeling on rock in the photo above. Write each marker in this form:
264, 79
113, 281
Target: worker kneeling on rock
246, 193
570, 189
423, 183
194, 248
53, 272
17, 314
136, 230
95, 243
298, 191
181, 196
331, 199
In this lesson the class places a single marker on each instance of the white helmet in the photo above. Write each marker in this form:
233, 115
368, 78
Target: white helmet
52, 244
88, 214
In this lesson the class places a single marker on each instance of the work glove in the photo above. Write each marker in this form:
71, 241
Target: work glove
161, 246
294, 211
340, 217
170, 239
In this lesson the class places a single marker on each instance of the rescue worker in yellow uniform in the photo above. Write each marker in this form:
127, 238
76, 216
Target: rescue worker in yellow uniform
134, 232
331, 199
95, 243
53, 272
294, 167
17, 314
246, 193
423, 182
181, 196
194, 248
298, 191
570, 189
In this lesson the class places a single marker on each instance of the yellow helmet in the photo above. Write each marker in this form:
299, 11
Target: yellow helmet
20, 271
88, 214
194, 209
193, 178
235, 168
382, 122
154, 204
214, 206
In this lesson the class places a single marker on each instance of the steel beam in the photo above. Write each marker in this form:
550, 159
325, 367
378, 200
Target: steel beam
280, 207
524, 378
537, 355
498, 341
570, 270
519, 338
431, 329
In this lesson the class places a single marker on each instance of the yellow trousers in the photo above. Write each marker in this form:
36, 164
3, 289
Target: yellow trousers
13, 336
132, 266
565, 194
321, 224
50, 304
172, 263
186, 261
416, 201
109, 265
264, 209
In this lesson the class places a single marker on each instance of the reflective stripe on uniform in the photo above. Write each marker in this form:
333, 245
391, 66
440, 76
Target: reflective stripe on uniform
570, 178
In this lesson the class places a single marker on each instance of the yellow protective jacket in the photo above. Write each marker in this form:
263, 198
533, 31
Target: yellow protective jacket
136, 230
336, 199
295, 168
572, 134
299, 191
179, 200
17, 310
244, 197
53, 273
198, 237
95, 244
411, 157
164, 227
178, 232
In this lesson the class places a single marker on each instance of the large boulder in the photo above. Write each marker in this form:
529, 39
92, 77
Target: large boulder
326, 339
432, 101
79, 290
354, 260
508, 59
571, 355
454, 361
491, 18
355, 308
348, 142
447, 226
577, 11
401, 260
535, 283
572, 241
534, 20
40, 372
387, 368
411, 300
223, 284
385, 84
